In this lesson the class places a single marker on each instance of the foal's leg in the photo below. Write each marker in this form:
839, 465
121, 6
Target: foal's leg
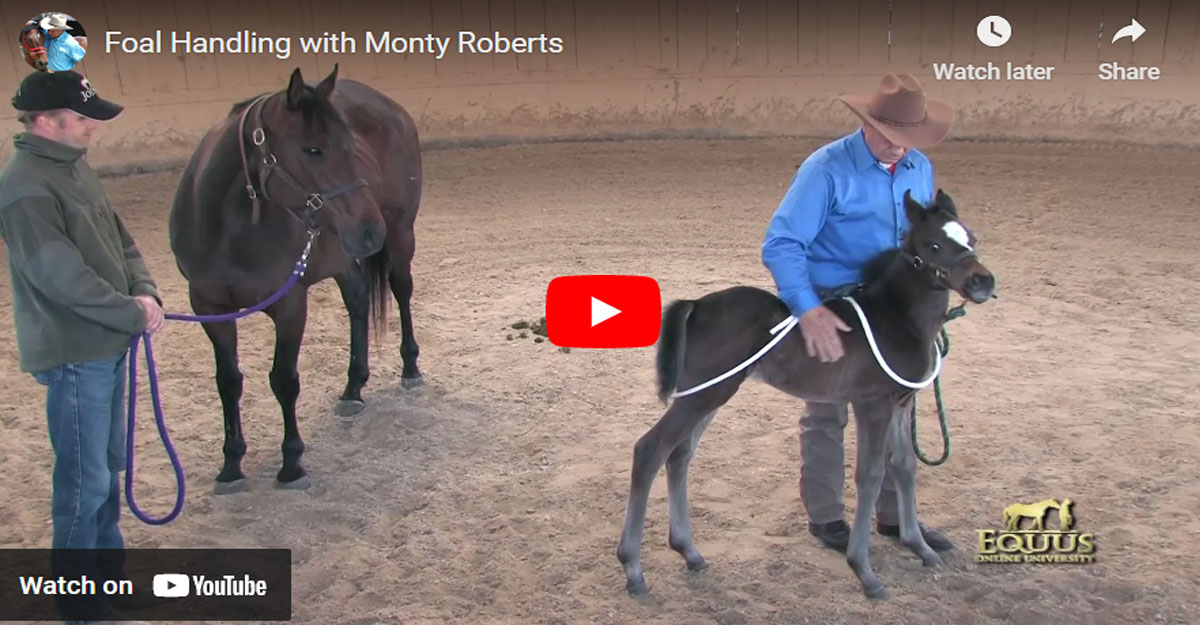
676, 426
902, 465
402, 246
353, 285
229, 387
290, 317
872, 423
680, 537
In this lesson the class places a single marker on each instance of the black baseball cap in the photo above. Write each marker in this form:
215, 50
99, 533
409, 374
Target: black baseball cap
45, 91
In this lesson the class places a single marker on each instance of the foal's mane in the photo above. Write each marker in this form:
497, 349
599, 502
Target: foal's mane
876, 271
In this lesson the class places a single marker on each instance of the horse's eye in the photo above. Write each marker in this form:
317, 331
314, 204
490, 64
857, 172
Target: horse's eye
312, 151
935, 248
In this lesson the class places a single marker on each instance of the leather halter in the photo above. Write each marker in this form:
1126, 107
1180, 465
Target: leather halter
268, 165
941, 273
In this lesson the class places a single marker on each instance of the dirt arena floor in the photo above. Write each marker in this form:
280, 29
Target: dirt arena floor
496, 493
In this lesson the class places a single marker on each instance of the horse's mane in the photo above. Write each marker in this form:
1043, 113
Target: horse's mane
238, 106
312, 107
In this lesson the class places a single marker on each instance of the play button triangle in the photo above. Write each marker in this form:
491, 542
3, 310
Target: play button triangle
602, 312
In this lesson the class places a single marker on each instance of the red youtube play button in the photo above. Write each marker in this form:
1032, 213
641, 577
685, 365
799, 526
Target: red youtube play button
603, 311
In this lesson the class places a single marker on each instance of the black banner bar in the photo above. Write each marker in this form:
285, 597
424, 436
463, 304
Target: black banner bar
146, 584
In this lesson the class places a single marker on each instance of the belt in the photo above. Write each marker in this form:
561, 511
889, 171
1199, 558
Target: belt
837, 292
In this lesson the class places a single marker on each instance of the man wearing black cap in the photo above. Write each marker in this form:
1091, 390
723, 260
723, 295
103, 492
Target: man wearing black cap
80, 292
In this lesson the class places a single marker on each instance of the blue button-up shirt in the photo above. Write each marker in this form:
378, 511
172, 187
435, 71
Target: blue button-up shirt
63, 52
842, 209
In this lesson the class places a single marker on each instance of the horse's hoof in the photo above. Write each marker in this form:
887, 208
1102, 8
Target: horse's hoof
228, 488
349, 407
876, 593
300, 483
697, 565
411, 383
934, 561
637, 588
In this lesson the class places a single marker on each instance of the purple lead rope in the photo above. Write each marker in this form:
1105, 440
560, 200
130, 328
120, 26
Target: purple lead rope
297, 272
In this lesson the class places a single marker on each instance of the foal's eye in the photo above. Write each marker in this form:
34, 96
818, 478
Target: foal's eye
312, 151
935, 248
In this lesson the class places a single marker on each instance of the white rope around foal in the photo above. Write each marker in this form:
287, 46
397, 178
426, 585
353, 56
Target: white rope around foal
783, 327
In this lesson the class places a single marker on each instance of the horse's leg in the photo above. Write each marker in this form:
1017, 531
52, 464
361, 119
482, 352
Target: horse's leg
651, 451
872, 422
290, 316
902, 465
353, 285
680, 536
402, 245
229, 378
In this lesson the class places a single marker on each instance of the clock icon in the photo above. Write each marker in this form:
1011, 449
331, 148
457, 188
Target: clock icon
993, 31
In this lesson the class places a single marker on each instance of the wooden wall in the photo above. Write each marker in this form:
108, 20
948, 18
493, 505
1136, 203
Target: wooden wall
645, 66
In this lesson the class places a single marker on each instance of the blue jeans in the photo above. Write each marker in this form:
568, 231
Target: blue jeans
85, 403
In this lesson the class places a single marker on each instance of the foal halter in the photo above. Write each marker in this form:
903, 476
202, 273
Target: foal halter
941, 273
268, 165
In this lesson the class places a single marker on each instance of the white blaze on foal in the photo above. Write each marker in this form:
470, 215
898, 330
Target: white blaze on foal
955, 231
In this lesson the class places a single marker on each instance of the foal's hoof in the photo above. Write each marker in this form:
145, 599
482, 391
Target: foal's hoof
349, 407
228, 488
637, 588
933, 561
300, 483
876, 593
411, 383
697, 564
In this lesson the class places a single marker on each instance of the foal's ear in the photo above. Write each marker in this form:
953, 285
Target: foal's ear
943, 202
915, 211
326, 86
295, 88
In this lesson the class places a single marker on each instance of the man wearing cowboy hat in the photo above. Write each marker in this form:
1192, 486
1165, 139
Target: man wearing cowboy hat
62, 50
845, 205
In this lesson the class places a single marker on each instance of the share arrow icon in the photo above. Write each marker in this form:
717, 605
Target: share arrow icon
1133, 31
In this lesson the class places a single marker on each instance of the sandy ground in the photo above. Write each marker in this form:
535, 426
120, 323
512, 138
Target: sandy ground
495, 494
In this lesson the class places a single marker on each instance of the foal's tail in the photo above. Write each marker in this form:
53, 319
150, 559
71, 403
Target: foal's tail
376, 269
671, 346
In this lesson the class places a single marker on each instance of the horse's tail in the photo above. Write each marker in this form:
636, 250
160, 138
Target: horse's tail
376, 269
671, 346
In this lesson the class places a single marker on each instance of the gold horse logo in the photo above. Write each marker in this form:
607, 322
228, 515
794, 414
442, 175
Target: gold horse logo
1037, 511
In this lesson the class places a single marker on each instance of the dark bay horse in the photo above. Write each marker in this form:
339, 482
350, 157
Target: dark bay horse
904, 299
282, 169
33, 46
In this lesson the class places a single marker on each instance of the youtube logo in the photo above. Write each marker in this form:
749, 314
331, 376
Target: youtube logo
604, 311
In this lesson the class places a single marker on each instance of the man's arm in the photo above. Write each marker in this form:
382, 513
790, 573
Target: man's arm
73, 50
39, 248
796, 223
141, 283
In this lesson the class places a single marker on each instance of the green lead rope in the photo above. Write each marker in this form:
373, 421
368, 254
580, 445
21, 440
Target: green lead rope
944, 348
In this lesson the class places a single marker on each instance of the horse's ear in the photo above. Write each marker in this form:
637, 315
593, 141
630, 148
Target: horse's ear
915, 211
943, 201
326, 86
295, 88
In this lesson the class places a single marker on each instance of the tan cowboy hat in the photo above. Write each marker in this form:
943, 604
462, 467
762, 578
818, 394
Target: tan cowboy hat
55, 21
899, 110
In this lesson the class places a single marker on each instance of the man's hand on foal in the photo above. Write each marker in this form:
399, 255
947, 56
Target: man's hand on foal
820, 327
